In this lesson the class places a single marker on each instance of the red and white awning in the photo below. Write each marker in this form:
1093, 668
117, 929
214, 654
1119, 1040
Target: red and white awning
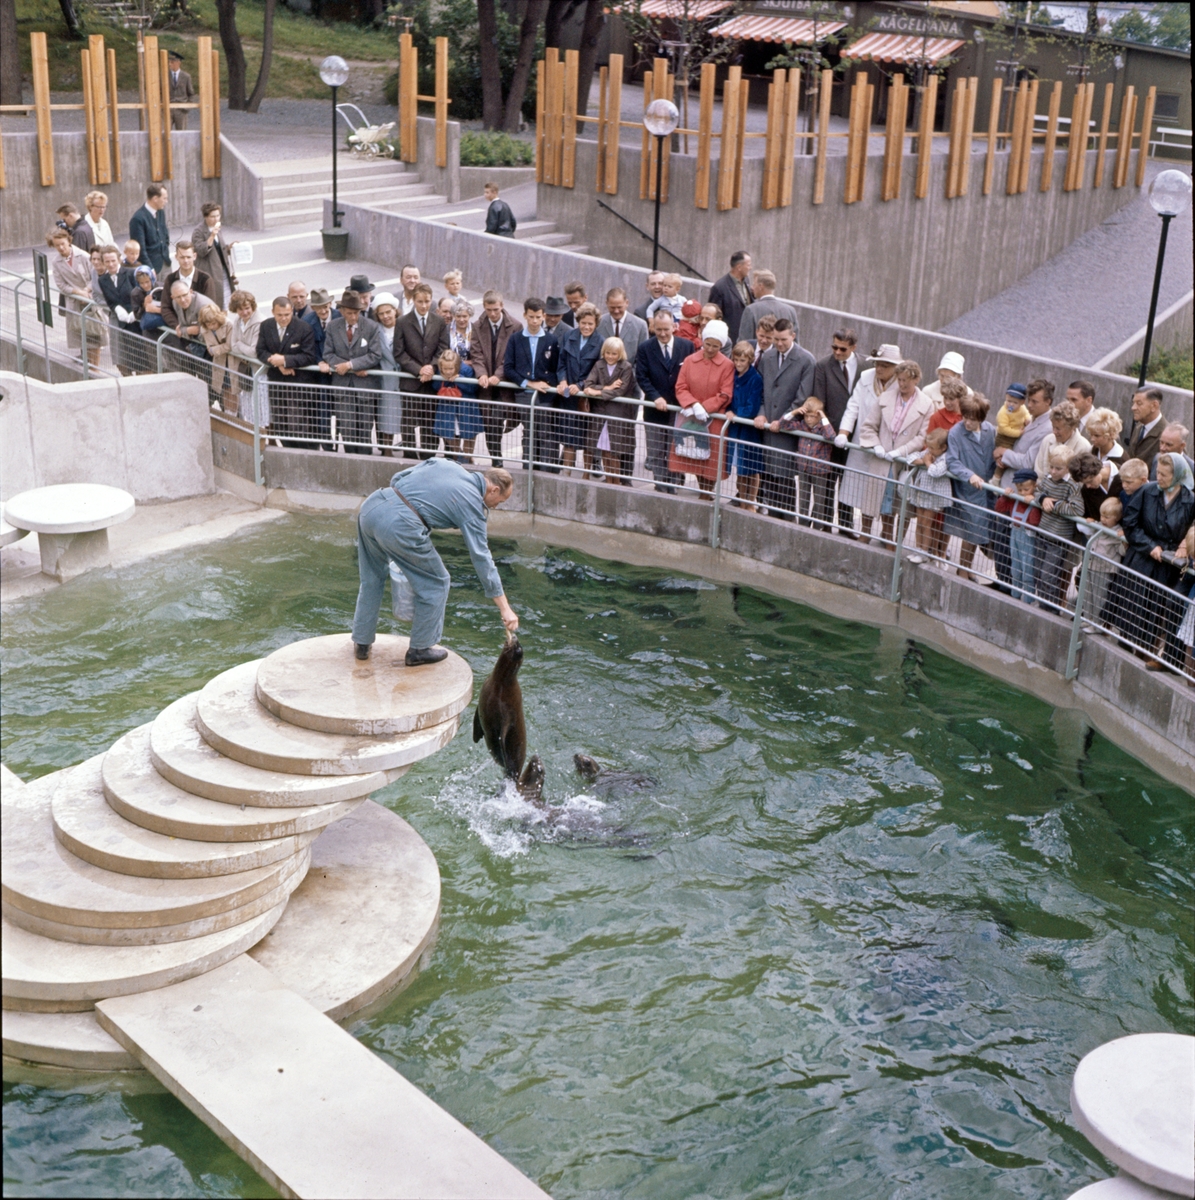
903, 48
795, 30
692, 10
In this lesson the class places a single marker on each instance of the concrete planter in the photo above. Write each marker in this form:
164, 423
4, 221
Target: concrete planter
336, 244
474, 179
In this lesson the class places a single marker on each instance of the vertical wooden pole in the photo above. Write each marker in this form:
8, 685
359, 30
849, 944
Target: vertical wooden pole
615, 117
730, 135
740, 140
541, 85
441, 102
662, 90
142, 97
1124, 137
788, 145
207, 124
1047, 164
1027, 136
406, 99
989, 162
852, 139
824, 98
1102, 144
153, 109
964, 178
958, 106
891, 134
602, 132
1072, 139
669, 94
646, 153
571, 105
41, 102
216, 110
551, 117
925, 135
771, 154
3, 176
705, 133
1147, 118
114, 112
88, 114
1017, 119
100, 116
558, 123
167, 131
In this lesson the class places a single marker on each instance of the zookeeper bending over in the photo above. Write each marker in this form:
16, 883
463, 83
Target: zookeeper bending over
395, 523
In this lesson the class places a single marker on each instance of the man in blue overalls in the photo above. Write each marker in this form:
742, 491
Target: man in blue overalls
395, 523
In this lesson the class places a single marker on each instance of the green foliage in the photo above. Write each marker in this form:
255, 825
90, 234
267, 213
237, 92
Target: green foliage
485, 149
684, 24
1133, 26
1156, 25
1175, 367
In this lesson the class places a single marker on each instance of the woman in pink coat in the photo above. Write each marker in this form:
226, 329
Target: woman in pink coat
704, 387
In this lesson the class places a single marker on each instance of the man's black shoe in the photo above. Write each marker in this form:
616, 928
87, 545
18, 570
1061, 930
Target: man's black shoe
362, 652
420, 658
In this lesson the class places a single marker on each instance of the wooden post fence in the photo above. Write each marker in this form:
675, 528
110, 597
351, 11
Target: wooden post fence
1124, 137
1147, 117
731, 147
989, 161
825, 95
925, 136
1047, 165
167, 123
614, 125
705, 133
1102, 146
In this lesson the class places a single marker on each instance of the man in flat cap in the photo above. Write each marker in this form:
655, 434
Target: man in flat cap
181, 91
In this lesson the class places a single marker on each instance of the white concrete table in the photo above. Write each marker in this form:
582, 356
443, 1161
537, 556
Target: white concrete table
71, 521
1134, 1100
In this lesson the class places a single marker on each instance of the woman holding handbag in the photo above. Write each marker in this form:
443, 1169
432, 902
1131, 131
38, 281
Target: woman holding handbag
704, 387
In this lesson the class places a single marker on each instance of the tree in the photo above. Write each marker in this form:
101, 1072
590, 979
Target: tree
10, 54
234, 53
591, 31
1173, 29
491, 69
267, 53
70, 18
528, 34
1133, 26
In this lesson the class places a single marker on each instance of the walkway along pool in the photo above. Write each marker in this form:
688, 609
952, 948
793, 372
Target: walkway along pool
852, 942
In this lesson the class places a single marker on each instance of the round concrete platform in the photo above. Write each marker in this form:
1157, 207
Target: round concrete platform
318, 684
359, 923
42, 878
232, 720
42, 975
90, 829
136, 791
73, 1040
1134, 1101
182, 756
1122, 1187
288, 879
69, 508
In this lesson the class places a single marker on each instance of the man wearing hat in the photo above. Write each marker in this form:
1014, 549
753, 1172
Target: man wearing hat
350, 351
951, 367
361, 285
857, 487
181, 91
555, 308
319, 317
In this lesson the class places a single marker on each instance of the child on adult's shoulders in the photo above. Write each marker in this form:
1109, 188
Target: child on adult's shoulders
671, 301
1012, 416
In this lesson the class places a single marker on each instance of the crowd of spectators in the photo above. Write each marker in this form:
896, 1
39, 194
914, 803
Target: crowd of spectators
721, 387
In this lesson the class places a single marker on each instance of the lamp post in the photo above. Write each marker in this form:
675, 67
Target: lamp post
660, 119
1169, 195
334, 71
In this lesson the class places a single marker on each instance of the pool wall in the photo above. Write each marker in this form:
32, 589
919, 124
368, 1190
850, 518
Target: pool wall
1150, 715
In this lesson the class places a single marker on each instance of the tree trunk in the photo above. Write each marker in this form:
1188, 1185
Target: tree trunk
491, 68
70, 18
10, 54
234, 53
522, 72
591, 32
267, 53
558, 13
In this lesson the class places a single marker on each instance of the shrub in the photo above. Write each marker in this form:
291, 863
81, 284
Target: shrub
482, 149
1175, 367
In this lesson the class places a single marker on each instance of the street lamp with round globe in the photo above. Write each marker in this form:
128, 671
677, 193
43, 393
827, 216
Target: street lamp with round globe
1169, 195
660, 120
334, 71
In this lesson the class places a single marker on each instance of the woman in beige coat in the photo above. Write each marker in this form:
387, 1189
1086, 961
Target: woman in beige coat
217, 329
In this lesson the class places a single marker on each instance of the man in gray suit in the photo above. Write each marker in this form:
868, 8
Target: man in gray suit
352, 347
787, 372
620, 323
763, 284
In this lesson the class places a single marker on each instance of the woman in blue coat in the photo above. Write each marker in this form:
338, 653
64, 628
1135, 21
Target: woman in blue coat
580, 348
743, 454
969, 461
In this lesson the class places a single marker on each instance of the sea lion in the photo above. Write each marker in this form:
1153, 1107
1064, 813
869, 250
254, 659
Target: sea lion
607, 781
499, 719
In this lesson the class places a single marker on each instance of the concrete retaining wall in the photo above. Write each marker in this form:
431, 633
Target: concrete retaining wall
147, 434
447, 180
925, 262
473, 179
1174, 329
1152, 716
29, 207
241, 189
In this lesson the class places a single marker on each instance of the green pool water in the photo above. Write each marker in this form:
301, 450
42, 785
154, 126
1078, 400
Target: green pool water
851, 942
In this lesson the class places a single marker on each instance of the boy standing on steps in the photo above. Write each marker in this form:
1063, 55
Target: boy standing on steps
499, 219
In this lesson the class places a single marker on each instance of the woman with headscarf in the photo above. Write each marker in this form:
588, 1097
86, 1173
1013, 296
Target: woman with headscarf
1155, 521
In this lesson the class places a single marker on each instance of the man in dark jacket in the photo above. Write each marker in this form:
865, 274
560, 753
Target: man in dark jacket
499, 219
286, 346
657, 365
117, 283
195, 279
787, 372
487, 356
732, 293
352, 349
319, 316
833, 381
533, 361
147, 227
419, 339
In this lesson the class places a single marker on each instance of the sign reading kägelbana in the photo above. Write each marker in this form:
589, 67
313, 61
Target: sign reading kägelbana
894, 22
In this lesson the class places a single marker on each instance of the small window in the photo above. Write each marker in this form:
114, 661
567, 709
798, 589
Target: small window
1166, 106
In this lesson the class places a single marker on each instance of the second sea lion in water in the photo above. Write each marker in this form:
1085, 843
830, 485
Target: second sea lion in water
607, 781
499, 719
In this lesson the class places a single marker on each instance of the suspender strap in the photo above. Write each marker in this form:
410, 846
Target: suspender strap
413, 509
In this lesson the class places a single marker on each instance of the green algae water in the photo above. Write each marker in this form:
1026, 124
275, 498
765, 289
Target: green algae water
850, 942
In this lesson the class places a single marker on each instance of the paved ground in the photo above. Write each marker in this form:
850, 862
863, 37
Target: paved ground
1094, 295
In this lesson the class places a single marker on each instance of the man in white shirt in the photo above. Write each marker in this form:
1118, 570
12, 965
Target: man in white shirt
1148, 423
410, 278
1082, 395
620, 323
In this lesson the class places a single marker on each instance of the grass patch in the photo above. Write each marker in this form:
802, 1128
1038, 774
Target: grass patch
482, 149
1174, 367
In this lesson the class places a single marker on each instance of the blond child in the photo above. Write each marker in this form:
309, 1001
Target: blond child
813, 459
1107, 545
1012, 417
458, 421
671, 301
1134, 475
931, 496
453, 282
1061, 499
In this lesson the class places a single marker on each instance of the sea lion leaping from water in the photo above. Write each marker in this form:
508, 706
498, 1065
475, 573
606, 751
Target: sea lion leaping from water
499, 719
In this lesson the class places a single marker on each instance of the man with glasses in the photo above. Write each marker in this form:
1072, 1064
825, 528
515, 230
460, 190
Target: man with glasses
833, 381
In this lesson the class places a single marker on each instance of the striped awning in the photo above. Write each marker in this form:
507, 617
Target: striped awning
903, 48
693, 10
795, 30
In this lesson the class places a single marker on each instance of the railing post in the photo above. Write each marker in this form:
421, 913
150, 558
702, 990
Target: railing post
1076, 643
258, 474
158, 349
529, 452
716, 518
84, 339
16, 295
901, 528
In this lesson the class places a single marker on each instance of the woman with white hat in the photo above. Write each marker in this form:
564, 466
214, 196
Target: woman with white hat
950, 368
705, 386
861, 487
387, 311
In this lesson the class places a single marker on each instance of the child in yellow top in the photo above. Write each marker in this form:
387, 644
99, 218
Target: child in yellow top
1012, 416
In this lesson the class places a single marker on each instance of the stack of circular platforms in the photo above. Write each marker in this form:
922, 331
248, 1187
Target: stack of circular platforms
238, 820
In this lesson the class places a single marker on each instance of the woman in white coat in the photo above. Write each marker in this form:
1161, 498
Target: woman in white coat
858, 484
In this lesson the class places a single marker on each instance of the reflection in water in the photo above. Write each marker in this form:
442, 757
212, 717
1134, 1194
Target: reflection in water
851, 941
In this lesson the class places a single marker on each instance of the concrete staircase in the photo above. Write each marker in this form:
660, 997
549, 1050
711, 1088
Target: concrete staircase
294, 190
548, 233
